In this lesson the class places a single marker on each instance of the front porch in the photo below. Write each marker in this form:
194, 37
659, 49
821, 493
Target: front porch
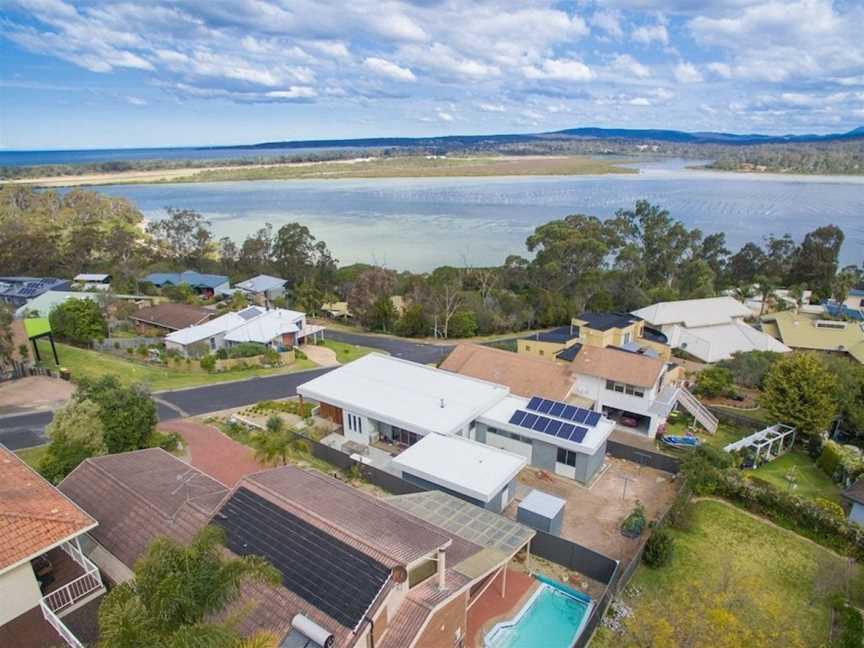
70, 585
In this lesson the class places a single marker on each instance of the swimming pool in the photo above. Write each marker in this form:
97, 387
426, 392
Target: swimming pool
553, 617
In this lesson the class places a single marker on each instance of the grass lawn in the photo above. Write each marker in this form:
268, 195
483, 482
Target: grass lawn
92, 364
32, 456
725, 544
348, 352
812, 482
724, 435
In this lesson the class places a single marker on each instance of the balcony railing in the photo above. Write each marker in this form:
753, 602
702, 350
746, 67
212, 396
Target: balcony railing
75, 593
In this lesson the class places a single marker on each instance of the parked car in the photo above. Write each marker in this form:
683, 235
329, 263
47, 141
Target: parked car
629, 421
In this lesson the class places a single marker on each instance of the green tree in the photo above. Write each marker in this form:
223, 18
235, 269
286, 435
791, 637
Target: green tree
128, 413
463, 324
6, 342
76, 433
714, 381
184, 237
175, 589
238, 301
381, 315
816, 261
850, 392
799, 390
297, 255
79, 321
414, 322
308, 298
273, 445
745, 265
697, 279
749, 367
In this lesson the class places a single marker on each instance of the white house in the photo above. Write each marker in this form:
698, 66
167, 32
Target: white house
276, 328
383, 398
473, 471
710, 329
92, 281
263, 286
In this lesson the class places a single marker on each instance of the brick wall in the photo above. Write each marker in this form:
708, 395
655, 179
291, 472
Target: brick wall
441, 630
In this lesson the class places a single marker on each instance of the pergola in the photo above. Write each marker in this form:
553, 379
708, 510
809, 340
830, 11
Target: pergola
775, 441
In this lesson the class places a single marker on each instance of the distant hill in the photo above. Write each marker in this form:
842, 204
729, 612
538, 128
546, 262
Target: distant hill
588, 133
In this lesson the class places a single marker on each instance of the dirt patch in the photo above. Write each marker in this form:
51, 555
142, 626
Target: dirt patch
35, 392
321, 355
592, 516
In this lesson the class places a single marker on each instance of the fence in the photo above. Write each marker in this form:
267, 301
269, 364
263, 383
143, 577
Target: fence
19, 370
732, 417
123, 343
645, 457
574, 556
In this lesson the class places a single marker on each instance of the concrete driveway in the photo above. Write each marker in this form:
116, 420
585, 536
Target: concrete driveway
321, 355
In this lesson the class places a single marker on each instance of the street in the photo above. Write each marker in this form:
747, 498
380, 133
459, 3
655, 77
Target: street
27, 430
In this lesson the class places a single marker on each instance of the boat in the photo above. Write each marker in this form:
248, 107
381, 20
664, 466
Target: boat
681, 441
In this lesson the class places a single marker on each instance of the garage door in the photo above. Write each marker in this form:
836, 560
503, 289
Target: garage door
506, 443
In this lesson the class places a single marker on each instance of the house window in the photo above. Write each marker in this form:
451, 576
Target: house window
404, 436
626, 338
355, 424
212, 344
624, 388
567, 457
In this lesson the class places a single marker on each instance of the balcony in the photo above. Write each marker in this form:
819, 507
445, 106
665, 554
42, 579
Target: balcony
77, 582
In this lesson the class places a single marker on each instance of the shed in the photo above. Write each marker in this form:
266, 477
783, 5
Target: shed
541, 511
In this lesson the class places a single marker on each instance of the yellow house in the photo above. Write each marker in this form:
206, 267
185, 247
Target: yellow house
600, 330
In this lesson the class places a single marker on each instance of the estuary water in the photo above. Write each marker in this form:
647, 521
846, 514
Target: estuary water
418, 224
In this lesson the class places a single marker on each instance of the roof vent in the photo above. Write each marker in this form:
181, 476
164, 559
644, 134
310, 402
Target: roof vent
442, 403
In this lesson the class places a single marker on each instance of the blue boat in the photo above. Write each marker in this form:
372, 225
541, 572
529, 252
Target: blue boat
681, 441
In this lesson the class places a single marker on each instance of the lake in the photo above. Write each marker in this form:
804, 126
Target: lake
418, 224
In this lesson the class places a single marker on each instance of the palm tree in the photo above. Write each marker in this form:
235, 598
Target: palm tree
175, 588
275, 443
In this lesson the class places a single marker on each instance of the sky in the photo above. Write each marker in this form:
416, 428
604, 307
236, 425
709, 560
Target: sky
117, 73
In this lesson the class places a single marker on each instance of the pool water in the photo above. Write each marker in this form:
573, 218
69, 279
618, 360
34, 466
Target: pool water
552, 618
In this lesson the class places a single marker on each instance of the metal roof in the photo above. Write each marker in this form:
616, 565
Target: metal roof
191, 277
542, 504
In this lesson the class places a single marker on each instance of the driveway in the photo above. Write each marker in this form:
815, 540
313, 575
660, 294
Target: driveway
321, 355
214, 453
33, 393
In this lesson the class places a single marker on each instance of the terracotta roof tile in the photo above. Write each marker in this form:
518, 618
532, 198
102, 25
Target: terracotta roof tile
620, 366
525, 375
34, 515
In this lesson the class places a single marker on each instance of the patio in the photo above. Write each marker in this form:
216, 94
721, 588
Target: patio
490, 607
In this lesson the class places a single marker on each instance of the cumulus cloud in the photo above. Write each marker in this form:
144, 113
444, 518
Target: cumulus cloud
687, 73
609, 22
560, 70
389, 69
626, 64
647, 34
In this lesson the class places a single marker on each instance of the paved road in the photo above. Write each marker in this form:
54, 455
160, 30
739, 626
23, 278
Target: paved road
26, 430
414, 351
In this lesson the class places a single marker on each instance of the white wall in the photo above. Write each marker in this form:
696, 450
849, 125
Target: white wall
512, 445
19, 592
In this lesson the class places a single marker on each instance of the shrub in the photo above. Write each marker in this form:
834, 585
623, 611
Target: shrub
208, 362
634, 524
142, 350
659, 548
680, 514
222, 354
749, 367
714, 381
79, 321
271, 357
840, 463
851, 625
830, 507
116, 346
169, 442
714, 456
299, 355
246, 350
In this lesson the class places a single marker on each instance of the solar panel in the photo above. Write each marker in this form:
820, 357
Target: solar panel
540, 424
553, 427
517, 417
534, 403
556, 409
581, 415
545, 406
529, 420
593, 418
327, 573
565, 431
568, 412
578, 434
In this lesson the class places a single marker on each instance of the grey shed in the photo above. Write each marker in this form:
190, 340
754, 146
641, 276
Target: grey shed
541, 511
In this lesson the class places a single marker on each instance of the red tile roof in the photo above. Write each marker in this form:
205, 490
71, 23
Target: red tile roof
620, 366
34, 516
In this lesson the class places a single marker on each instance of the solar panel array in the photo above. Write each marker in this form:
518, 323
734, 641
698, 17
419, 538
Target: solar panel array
552, 427
564, 411
331, 575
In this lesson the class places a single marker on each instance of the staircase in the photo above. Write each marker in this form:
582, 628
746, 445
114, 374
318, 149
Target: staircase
701, 413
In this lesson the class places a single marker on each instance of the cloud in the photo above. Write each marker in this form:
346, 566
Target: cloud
386, 68
444, 116
723, 70
647, 34
639, 101
560, 70
609, 22
492, 108
136, 101
687, 73
626, 64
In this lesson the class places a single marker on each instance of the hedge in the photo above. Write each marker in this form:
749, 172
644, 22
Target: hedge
806, 517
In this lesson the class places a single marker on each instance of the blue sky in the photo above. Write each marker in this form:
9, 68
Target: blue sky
194, 72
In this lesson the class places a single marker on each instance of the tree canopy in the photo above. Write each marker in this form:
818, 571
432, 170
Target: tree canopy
799, 390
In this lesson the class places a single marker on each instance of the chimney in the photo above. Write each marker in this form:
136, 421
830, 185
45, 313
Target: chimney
442, 568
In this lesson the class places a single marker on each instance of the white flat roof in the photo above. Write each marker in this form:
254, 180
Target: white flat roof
405, 394
498, 417
542, 503
467, 467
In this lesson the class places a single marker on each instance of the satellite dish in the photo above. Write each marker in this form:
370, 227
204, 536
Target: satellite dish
400, 574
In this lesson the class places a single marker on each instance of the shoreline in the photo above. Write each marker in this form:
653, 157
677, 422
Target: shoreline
354, 168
